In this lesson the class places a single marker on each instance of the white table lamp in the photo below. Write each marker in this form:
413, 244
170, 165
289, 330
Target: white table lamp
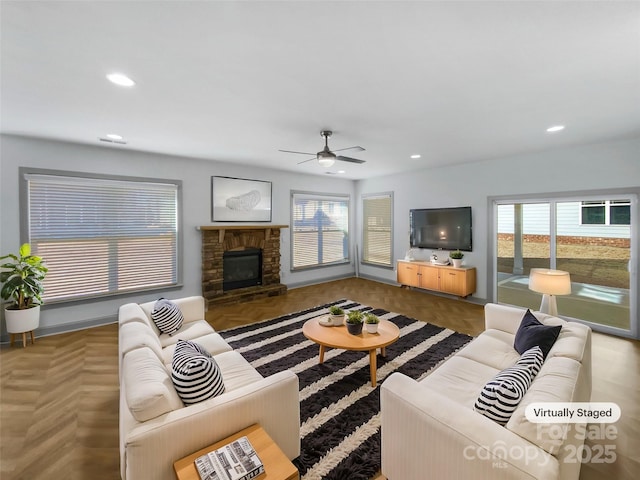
550, 283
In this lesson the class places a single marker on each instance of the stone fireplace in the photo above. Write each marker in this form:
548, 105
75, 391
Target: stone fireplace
250, 255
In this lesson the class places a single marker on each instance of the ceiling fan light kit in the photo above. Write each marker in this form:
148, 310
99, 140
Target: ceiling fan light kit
326, 158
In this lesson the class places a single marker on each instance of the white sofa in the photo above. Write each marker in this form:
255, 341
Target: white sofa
156, 429
430, 428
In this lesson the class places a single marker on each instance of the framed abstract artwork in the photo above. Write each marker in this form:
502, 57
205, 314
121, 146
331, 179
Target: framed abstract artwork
240, 200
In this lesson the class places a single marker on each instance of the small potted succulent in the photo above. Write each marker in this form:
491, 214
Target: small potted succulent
336, 315
354, 322
456, 258
371, 322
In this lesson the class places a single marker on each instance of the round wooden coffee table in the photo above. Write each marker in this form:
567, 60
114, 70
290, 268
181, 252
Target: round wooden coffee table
339, 337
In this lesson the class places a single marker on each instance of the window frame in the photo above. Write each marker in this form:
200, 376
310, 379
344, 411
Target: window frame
320, 196
606, 206
370, 196
632, 193
24, 207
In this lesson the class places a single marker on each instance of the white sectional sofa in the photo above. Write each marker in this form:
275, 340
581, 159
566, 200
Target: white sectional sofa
156, 429
431, 430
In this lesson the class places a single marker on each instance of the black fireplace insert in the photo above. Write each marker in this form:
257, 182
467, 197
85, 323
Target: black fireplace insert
241, 268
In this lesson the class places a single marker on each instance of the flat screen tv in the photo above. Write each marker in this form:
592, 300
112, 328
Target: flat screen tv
441, 228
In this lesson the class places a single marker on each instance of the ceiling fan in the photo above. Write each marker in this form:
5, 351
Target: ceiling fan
326, 157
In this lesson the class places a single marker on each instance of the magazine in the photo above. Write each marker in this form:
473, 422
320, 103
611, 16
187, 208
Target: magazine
235, 461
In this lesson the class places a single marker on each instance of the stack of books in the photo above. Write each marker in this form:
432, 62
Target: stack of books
237, 460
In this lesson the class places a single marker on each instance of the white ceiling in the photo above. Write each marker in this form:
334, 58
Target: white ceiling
235, 81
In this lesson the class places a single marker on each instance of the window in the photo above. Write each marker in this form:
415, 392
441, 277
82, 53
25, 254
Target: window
376, 229
606, 212
549, 232
320, 230
102, 235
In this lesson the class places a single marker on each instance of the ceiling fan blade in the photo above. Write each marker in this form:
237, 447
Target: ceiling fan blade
357, 147
301, 153
305, 161
349, 159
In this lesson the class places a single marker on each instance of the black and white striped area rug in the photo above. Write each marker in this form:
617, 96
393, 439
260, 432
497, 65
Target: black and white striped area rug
339, 409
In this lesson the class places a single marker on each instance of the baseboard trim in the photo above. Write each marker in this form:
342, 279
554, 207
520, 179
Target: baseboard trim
68, 327
373, 278
320, 281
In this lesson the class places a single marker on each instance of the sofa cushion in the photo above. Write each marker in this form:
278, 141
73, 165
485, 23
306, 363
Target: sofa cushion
236, 370
192, 308
573, 342
493, 348
134, 335
558, 381
148, 387
212, 343
188, 331
460, 379
195, 374
131, 312
531, 333
167, 316
500, 397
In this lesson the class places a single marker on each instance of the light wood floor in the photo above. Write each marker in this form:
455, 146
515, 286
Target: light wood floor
59, 397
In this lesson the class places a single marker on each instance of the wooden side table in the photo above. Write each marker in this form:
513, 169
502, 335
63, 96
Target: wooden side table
276, 464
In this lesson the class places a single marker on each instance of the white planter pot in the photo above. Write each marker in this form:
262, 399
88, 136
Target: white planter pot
336, 320
457, 262
19, 321
371, 327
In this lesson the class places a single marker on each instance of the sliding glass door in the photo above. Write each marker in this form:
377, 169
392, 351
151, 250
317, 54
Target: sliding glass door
591, 238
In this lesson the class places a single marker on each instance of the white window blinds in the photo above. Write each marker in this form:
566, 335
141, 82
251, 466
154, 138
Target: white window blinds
320, 230
377, 229
103, 236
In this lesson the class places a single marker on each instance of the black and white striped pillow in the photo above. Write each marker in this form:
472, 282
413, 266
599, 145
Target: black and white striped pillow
195, 374
167, 316
500, 397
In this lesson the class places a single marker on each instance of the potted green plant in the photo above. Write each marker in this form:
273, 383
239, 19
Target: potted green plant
354, 322
456, 258
336, 315
22, 287
371, 322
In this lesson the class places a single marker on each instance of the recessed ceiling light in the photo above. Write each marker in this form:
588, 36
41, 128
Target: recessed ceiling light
120, 79
111, 139
555, 128
114, 136
342, 171
416, 156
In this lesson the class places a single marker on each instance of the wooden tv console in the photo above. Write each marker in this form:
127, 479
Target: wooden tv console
440, 278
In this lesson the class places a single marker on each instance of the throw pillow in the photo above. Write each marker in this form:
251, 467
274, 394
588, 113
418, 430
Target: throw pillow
531, 333
195, 374
500, 397
532, 358
167, 316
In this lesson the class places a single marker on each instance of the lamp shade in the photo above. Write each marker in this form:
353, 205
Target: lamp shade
550, 282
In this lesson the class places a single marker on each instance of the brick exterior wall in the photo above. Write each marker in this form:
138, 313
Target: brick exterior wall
566, 240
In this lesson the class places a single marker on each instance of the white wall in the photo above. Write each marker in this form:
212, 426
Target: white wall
196, 177
591, 167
